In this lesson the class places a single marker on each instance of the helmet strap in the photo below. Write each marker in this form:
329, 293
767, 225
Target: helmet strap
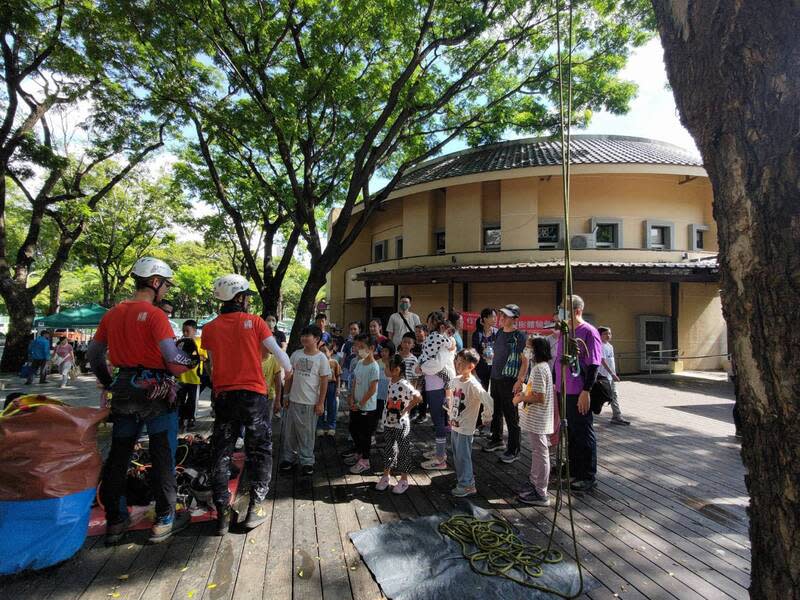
155, 289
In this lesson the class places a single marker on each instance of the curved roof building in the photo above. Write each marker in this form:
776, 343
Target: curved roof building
484, 227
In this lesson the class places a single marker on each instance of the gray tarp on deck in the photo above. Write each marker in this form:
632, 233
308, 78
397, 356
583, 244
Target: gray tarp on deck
411, 560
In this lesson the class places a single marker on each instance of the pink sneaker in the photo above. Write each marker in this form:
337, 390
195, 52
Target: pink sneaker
401, 487
360, 467
434, 465
383, 483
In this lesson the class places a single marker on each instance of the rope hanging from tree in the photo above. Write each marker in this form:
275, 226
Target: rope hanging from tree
569, 356
499, 551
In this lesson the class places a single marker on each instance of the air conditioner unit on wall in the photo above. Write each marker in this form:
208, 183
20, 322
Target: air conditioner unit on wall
582, 241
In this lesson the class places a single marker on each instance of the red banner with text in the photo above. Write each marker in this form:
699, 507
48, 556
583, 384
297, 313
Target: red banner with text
538, 324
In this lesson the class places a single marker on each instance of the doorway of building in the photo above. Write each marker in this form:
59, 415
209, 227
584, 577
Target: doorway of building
383, 313
655, 342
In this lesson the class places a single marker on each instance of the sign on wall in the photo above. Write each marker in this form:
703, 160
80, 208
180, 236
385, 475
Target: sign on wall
538, 324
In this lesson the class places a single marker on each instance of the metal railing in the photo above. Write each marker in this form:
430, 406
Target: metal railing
656, 357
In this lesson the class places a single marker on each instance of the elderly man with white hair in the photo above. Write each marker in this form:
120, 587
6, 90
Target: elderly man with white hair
580, 378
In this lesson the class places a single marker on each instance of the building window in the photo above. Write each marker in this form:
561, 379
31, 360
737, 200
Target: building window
380, 251
697, 237
550, 233
398, 247
659, 235
491, 237
607, 232
439, 242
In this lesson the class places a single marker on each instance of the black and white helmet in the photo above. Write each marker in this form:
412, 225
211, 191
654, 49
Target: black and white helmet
228, 286
148, 266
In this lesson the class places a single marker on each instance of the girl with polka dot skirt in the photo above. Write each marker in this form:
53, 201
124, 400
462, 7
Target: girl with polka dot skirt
402, 397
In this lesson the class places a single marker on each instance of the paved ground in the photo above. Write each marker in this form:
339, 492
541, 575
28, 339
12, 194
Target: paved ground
668, 519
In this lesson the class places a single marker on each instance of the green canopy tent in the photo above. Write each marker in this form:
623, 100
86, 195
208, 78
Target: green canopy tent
81, 317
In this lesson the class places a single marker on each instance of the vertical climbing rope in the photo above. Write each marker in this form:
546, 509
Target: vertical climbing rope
567, 327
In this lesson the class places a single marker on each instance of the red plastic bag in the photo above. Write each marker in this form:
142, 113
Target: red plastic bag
48, 449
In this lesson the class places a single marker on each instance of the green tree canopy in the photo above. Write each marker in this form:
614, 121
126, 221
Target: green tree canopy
64, 113
317, 98
131, 223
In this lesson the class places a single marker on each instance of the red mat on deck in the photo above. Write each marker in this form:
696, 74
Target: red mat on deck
142, 517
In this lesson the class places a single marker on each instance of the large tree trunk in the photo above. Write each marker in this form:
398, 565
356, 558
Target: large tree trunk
307, 304
105, 279
21, 315
54, 290
734, 68
270, 296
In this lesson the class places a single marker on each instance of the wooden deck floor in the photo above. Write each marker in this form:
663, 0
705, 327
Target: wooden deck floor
667, 520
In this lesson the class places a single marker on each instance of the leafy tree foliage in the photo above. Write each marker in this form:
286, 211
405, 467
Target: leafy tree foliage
130, 224
316, 98
63, 115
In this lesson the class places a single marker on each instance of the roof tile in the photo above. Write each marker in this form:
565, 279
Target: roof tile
546, 152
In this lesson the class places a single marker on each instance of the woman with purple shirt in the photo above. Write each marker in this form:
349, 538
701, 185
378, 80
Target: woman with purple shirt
582, 441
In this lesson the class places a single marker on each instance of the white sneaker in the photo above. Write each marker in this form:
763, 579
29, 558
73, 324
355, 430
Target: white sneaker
321, 432
383, 483
401, 487
331, 433
429, 454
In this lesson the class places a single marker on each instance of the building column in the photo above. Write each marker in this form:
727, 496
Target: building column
675, 302
396, 296
465, 296
559, 292
450, 296
367, 304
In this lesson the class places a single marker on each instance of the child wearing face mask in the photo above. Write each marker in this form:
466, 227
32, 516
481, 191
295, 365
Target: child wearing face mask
363, 401
536, 418
397, 450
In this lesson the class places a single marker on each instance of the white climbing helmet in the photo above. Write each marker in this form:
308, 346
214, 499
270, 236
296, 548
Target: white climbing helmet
148, 266
227, 286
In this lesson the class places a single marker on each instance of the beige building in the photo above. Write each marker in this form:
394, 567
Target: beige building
485, 227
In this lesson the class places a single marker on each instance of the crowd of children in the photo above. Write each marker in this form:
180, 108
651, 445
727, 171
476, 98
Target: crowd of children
429, 372
389, 389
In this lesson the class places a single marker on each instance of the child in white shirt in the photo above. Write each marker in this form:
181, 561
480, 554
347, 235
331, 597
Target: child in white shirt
536, 418
402, 397
468, 397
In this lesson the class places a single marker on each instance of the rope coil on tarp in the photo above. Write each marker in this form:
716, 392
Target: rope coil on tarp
500, 552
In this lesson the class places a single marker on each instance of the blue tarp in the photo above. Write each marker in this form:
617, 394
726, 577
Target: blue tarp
35, 534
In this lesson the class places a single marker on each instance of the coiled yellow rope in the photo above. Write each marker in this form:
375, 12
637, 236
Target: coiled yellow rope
492, 548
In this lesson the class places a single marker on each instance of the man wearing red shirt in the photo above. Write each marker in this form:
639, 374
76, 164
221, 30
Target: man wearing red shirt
235, 341
139, 341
